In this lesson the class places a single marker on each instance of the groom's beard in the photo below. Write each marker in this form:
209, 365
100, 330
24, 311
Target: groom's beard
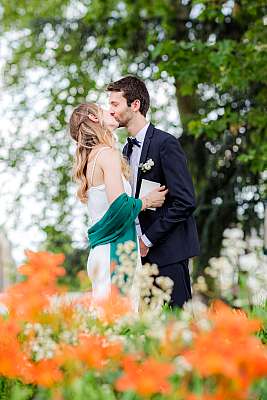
121, 124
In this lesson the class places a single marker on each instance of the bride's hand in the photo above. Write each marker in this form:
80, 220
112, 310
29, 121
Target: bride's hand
155, 198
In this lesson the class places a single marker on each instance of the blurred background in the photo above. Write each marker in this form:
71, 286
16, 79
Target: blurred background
204, 63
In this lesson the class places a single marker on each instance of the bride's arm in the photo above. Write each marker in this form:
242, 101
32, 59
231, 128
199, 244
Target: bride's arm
110, 164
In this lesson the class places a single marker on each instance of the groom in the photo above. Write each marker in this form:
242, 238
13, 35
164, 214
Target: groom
168, 235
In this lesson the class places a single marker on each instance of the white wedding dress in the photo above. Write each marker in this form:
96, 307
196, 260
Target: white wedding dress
98, 264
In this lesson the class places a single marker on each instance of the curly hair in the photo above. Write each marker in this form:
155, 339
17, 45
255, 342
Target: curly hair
88, 134
133, 89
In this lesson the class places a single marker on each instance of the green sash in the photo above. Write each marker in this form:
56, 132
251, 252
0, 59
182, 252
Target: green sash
117, 226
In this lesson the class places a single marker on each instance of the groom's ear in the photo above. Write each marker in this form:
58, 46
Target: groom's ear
135, 106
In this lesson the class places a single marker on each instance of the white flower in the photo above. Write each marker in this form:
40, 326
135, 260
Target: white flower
234, 233
201, 285
194, 308
146, 166
260, 297
187, 336
253, 284
204, 324
3, 309
182, 365
248, 262
255, 243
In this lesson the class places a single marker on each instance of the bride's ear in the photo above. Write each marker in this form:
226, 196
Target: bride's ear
93, 118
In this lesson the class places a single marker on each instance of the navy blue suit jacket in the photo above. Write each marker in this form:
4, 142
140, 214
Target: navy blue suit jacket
171, 228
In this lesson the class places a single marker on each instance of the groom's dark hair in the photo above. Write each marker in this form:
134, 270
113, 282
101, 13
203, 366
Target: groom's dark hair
133, 89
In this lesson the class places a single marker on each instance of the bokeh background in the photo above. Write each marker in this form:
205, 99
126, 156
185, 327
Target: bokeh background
204, 63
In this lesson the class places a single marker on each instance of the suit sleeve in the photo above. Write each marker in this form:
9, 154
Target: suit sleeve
181, 191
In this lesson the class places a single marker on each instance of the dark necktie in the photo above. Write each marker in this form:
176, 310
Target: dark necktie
131, 143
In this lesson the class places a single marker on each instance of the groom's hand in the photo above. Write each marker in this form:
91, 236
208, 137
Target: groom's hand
143, 248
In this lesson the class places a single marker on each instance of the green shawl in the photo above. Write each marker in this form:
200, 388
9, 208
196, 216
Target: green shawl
117, 226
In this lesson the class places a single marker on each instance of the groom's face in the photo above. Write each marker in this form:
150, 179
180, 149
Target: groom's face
119, 108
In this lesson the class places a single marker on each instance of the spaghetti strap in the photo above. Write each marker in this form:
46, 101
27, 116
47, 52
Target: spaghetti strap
94, 164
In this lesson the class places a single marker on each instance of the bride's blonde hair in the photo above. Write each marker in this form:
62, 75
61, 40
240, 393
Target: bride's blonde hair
88, 134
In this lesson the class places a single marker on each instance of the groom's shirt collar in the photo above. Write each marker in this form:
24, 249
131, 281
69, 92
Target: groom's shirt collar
136, 154
134, 162
140, 136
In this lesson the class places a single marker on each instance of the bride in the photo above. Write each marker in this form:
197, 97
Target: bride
102, 175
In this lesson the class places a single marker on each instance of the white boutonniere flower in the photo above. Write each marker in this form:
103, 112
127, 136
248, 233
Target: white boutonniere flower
146, 166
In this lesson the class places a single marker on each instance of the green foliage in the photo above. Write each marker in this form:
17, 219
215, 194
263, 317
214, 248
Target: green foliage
260, 312
12, 389
261, 389
91, 387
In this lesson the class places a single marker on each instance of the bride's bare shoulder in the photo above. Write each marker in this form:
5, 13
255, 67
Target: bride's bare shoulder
110, 155
97, 150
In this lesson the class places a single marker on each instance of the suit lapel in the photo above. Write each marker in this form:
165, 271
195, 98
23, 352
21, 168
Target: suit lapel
143, 157
124, 150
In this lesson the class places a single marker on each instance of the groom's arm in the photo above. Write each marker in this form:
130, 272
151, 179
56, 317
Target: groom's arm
181, 191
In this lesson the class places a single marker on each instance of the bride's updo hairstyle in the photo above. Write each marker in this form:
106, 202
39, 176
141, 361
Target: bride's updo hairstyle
88, 134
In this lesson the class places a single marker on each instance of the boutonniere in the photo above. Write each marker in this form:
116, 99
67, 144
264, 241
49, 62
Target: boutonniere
146, 166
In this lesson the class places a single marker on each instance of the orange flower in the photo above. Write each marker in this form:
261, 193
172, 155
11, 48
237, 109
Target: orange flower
206, 396
42, 261
145, 378
9, 349
113, 266
229, 352
13, 362
94, 351
232, 322
46, 373
27, 300
114, 307
171, 344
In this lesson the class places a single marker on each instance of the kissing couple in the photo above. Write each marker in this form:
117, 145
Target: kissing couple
144, 196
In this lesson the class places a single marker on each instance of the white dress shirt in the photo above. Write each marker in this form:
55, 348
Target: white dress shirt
134, 164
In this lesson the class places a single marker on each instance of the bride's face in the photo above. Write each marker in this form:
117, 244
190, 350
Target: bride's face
109, 121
